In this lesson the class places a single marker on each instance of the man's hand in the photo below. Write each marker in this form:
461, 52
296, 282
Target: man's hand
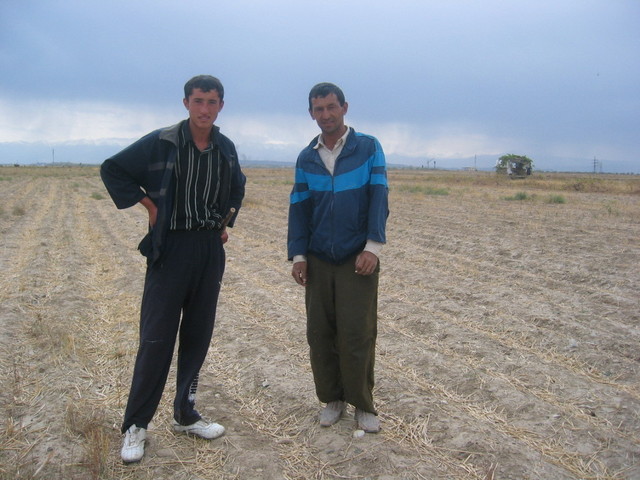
152, 209
224, 236
299, 273
366, 263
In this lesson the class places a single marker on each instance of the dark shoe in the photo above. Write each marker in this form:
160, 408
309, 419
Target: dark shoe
367, 421
332, 413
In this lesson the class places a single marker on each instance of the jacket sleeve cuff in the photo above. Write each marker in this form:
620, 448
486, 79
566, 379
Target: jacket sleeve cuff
373, 247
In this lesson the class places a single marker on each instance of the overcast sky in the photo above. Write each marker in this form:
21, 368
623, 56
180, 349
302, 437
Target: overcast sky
445, 81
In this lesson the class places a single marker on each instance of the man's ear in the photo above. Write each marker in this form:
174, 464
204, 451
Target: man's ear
185, 102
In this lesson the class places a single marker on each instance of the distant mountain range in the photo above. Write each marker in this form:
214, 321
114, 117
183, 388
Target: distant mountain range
22, 153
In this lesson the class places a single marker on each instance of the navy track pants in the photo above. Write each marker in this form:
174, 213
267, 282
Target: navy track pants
179, 302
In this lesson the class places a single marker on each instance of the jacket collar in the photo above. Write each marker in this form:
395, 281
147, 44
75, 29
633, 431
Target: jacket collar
171, 134
341, 141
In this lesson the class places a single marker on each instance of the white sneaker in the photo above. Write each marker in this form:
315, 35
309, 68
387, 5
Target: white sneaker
133, 446
201, 429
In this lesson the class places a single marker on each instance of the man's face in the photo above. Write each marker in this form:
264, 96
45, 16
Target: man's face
328, 113
203, 107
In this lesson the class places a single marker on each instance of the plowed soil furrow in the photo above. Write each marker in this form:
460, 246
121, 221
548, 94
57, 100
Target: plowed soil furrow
458, 281
507, 346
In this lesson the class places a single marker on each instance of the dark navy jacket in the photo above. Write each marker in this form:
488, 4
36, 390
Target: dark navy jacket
146, 168
334, 216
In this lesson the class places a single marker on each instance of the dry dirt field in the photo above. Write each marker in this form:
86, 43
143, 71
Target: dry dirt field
508, 335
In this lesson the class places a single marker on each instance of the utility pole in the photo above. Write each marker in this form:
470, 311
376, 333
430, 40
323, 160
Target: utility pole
53, 155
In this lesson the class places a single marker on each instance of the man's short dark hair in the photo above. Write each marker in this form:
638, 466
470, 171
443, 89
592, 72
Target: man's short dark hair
205, 83
324, 89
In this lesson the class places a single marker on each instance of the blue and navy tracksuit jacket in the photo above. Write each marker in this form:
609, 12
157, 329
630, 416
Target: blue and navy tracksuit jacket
332, 217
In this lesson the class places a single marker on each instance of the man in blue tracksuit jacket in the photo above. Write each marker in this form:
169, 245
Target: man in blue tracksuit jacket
189, 180
337, 217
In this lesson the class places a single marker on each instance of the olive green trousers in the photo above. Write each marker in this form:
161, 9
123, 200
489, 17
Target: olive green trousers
342, 326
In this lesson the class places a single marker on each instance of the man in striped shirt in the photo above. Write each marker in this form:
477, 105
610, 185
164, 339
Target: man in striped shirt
188, 178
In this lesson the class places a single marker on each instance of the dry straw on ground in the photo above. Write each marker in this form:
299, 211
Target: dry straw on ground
508, 335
